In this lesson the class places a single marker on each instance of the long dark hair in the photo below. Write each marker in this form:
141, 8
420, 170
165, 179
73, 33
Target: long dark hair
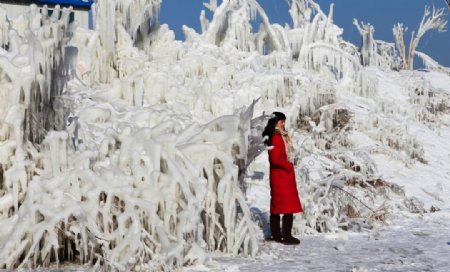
270, 127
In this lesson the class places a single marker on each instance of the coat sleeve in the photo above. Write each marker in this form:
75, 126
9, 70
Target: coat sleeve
277, 156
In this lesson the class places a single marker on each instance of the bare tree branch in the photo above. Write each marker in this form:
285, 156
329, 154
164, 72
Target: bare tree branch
399, 31
352, 196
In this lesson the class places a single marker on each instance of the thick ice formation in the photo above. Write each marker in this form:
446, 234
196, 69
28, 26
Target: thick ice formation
141, 163
144, 196
79, 202
431, 64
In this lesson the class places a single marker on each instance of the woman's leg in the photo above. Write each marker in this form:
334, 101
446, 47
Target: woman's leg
288, 239
275, 227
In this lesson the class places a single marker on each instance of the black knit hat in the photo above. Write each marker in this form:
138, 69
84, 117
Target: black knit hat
278, 116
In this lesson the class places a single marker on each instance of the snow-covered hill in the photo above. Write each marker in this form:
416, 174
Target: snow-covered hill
144, 160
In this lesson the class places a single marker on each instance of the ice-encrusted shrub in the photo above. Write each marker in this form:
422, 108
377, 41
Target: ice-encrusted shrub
432, 101
340, 186
110, 200
147, 197
33, 72
336, 199
329, 126
396, 141
310, 96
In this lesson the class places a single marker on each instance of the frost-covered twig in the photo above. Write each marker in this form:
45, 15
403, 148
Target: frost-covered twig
352, 196
212, 5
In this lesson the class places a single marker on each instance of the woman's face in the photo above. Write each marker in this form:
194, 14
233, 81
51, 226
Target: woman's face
280, 125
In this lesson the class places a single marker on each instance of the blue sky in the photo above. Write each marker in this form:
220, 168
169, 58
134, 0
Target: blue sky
382, 14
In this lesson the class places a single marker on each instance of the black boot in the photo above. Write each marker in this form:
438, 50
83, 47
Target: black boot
288, 239
275, 227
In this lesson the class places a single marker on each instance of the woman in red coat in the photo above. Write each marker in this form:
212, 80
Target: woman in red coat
283, 187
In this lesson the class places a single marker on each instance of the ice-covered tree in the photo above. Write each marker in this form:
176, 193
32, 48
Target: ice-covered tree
368, 47
431, 21
375, 52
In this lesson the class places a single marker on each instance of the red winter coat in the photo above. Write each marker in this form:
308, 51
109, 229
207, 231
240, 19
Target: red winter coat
283, 188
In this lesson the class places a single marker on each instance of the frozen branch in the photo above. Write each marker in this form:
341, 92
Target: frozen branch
212, 5
368, 48
352, 196
431, 64
431, 21
302, 11
399, 31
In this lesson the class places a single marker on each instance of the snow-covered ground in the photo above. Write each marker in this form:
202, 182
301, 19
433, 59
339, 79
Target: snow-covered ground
420, 243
